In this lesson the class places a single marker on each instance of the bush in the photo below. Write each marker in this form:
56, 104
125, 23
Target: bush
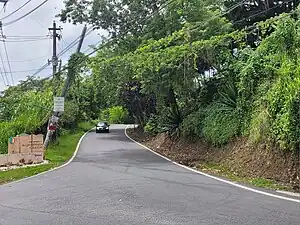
115, 114
30, 114
70, 116
283, 104
220, 125
192, 125
152, 126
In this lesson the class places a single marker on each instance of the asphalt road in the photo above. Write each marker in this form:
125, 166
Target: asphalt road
115, 181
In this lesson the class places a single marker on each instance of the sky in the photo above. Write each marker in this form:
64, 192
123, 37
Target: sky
25, 56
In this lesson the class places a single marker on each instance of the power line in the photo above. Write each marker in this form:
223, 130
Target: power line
29, 60
233, 7
22, 6
3, 77
118, 36
26, 14
4, 70
261, 12
21, 71
28, 36
22, 41
8, 63
65, 50
128, 30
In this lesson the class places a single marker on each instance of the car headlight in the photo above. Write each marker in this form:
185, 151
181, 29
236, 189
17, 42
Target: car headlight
106, 128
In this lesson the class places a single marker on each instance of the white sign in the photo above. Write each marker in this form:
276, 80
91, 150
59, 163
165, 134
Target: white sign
59, 104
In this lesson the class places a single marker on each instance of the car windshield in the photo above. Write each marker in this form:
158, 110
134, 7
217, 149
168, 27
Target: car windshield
102, 124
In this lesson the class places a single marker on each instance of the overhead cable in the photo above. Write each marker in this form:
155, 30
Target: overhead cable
163, 6
65, 50
3, 77
26, 14
22, 41
4, 70
3, 18
8, 63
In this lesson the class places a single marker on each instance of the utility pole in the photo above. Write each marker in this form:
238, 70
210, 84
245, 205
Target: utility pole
54, 56
64, 91
4, 2
67, 83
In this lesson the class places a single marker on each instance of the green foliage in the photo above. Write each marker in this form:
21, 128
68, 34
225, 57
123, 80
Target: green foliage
56, 155
29, 112
71, 115
192, 125
260, 125
115, 114
224, 82
153, 126
172, 120
229, 96
220, 125
283, 99
118, 114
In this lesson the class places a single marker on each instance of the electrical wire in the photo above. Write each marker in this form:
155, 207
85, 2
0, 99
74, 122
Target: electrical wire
4, 70
65, 50
73, 43
108, 42
41, 69
22, 71
163, 6
261, 12
3, 78
230, 9
22, 6
22, 41
26, 37
8, 63
26, 14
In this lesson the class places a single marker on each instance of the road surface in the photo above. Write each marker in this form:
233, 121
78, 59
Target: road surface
116, 182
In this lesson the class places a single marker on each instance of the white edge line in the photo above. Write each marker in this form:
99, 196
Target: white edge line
56, 168
289, 193
213, 177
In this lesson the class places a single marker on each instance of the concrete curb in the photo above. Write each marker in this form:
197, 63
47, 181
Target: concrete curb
213, 177
56, 168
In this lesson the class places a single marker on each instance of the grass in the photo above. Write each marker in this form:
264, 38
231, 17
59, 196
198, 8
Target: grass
57, 154
220, 170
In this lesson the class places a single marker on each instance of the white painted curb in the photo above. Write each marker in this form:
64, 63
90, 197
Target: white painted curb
56, 168
213, 177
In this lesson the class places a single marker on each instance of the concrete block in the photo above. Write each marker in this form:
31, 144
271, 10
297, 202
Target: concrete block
15, 159
37, 157
14, 147
3, 160
37, 143
25, 143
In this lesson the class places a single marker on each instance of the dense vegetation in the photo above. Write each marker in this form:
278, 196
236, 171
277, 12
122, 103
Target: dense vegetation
195, 68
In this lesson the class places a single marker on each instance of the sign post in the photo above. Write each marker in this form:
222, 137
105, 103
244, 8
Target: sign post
59, 104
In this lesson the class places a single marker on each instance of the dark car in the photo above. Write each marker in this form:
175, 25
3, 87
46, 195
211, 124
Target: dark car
102, 127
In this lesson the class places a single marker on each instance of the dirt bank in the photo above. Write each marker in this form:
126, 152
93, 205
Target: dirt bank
259, 165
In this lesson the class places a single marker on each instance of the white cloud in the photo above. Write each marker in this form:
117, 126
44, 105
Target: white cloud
36, 23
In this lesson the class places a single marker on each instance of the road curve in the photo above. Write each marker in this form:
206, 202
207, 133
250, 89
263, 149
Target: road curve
114, 181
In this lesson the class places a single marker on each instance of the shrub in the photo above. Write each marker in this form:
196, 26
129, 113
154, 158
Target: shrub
152, 126
115, 114
171, 120
220, 125
283, 103
192, 125
70, 116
